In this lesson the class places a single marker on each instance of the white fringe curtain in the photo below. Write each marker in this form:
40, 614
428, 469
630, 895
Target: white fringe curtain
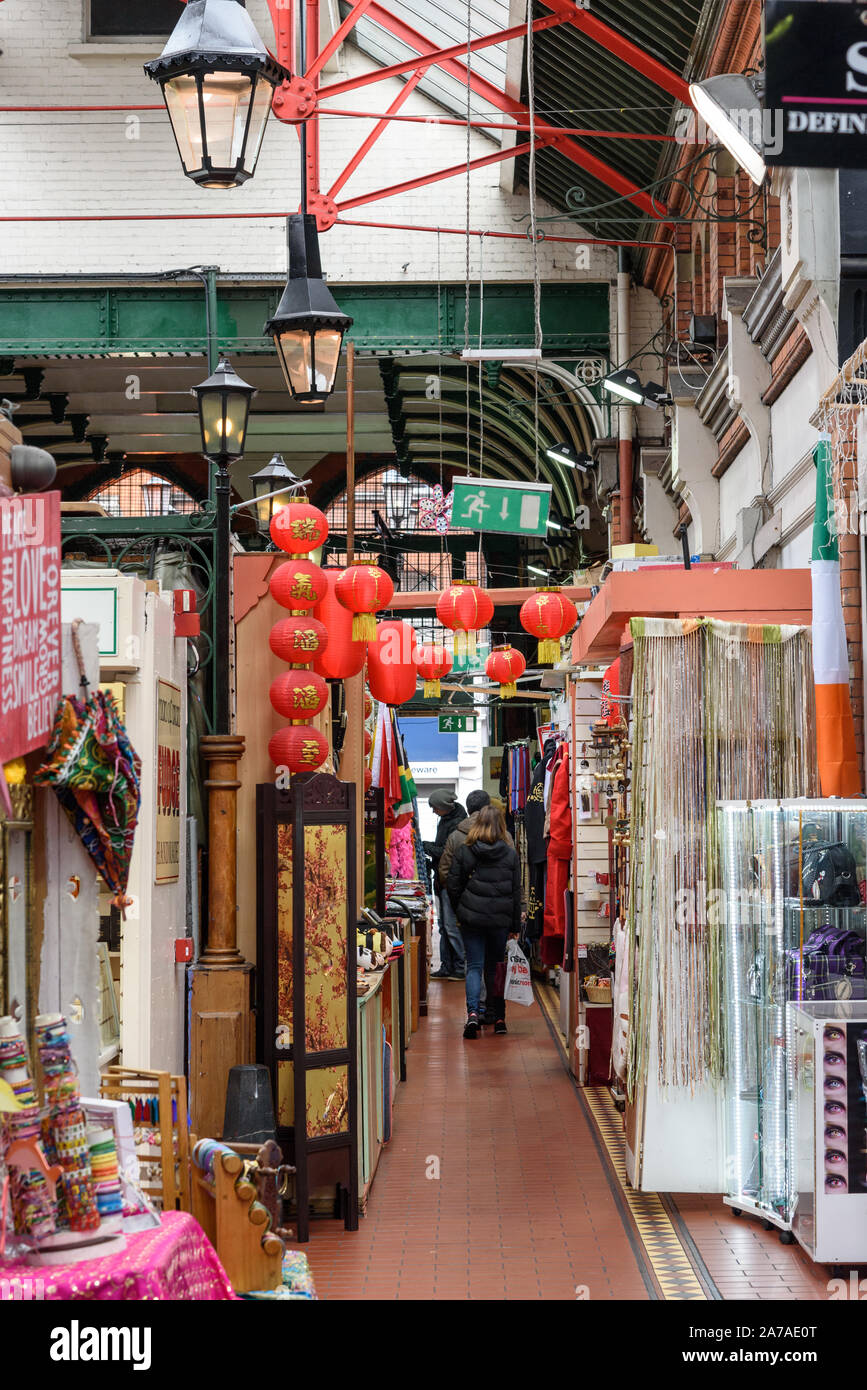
721, 711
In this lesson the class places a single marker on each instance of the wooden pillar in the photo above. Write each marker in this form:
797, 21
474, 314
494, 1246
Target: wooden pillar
352, 755
220, 1023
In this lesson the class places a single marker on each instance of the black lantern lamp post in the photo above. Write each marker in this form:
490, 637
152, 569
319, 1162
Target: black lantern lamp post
397, 491
224, 408
217, 80
308, 326
273, 486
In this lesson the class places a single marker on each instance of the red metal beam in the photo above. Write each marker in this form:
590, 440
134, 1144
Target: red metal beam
359, 9
515, 126
407, 89
311, 172
440, 56
572, 151
622, 48
451, 173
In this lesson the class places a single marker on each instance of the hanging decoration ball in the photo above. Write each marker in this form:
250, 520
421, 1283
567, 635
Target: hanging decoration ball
368, 705
548, 615
434, 662
391, 664
368, 742
298, 584
368, 779
364, 590
299, 694
343, 657
298, 640
505, 665
298, 747
465, 608
299, 528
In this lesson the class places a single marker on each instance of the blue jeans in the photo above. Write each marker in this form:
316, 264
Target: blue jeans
452, 955
486, 949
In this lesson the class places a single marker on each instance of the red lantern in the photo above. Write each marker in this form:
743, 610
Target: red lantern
505, 665
298, 640
368, 705
364, 589
299, 694
298, 747
391, 663
368, 742
299, 528
368, 779
465, 608
344, 658
548, 615
434, 662
298, 584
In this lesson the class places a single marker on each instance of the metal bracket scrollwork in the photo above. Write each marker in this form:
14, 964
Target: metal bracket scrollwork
699, 179
205, 516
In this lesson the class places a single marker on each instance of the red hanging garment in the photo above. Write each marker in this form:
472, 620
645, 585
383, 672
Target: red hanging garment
553, 940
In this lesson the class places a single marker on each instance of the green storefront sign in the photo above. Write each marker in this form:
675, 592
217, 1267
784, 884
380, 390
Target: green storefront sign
516, 509
457, 724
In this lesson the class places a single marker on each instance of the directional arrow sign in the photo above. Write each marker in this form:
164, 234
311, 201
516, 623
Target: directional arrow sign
457, 723
486, 504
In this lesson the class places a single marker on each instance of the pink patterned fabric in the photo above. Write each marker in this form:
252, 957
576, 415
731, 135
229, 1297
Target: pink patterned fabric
174, 1262
401, 855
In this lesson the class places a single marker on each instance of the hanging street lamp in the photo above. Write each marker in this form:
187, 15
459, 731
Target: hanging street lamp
308, 326
273, 487
157, 497
217, 79
397, 490
224, 408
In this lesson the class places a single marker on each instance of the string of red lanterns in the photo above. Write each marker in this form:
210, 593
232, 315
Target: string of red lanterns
299, 585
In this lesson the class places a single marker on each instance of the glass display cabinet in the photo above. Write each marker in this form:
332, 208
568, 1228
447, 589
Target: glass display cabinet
794, 920
830, 1069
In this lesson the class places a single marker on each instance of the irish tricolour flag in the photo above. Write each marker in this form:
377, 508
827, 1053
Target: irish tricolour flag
835, 727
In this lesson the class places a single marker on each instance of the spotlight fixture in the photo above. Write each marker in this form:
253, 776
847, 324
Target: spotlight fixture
569, 457
730, 105
624, 383
627, 384
534, 569
554, 525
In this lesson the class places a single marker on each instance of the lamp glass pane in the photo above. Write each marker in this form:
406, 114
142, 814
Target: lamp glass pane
295, 356
226, 97
327, 346
224, 422
182, 103
262, 97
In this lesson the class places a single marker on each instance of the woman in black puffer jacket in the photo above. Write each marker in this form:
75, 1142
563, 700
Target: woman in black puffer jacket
484, 886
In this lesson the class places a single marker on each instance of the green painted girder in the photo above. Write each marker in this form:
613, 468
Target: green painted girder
142, 320
201, 524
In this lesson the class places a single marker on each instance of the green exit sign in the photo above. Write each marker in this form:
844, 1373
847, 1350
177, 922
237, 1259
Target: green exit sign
486, 504
457, 723
469, 665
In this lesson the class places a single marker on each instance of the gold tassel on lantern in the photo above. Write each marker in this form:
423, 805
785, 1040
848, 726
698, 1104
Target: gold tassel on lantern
364, 627
460, 645
507, 691
432, 690
549, 651
471, 643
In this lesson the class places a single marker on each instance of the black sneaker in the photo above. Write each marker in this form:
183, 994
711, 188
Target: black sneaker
439, 975
487, 1018
471, 1027
500, 1026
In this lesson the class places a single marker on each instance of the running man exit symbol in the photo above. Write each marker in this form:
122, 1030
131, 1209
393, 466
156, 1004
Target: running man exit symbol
518, 509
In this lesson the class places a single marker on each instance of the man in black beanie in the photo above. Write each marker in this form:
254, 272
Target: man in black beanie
450, 812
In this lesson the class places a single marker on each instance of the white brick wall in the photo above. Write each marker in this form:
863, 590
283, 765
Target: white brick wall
84, 163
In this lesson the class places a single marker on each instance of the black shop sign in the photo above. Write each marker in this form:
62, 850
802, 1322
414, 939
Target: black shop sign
815, 105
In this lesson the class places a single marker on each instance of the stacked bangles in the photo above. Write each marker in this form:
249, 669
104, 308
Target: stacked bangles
67, 1122
33, 1206
104, 1170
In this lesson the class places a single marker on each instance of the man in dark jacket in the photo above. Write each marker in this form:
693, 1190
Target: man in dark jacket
475, 801
450, 812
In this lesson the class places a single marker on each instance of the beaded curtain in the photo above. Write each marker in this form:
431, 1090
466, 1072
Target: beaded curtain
721, 711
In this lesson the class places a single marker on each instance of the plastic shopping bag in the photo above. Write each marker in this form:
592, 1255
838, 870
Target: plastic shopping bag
519, 987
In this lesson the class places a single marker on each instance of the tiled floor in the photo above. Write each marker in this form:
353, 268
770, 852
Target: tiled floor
520, 1168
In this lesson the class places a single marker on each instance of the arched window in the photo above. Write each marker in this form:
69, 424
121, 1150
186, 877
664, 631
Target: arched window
138, 492
421, 556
